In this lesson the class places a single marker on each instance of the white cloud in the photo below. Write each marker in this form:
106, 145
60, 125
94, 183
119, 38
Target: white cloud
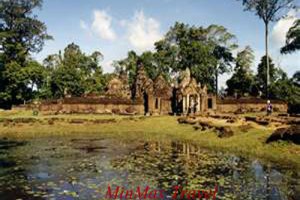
280, 29
143, 32
288, 63
101, 25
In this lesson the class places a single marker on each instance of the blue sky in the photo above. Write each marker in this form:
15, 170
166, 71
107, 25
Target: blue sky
114, 27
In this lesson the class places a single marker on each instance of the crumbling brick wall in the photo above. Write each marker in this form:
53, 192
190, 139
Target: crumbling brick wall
97, 106
249, 105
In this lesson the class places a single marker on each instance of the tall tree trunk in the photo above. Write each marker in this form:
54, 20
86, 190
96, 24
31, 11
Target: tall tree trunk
217, 81
267, 57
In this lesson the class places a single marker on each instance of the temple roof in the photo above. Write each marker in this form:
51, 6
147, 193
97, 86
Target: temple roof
189, 85
118, 86
191, 88
142, 82
161, 88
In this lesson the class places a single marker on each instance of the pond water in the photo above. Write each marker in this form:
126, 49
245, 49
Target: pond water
86, 167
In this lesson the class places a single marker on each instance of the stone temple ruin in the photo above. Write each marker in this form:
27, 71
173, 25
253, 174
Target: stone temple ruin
192, 98
156, 97
119, 87
159, 97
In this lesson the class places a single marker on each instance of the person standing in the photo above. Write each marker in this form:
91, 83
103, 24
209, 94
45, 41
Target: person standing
269, 108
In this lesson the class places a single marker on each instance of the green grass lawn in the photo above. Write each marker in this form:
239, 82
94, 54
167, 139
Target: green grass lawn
249, 144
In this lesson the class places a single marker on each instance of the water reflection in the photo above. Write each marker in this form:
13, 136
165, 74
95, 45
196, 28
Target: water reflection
79, 168
177, 163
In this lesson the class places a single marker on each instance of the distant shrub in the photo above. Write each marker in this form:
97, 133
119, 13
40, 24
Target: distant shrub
77, 121
50, 121
130, 110
104, 121
116, 111
25, 120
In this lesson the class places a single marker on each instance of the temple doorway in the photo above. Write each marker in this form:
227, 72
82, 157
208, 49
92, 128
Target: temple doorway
146, 103
210, 103
193, 104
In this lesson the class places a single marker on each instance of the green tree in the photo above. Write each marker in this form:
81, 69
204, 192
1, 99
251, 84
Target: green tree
296, 78
261, 77
223, 58
95, 80
294, 103
74, 73
205, 51
129, 64
242, 80
21, 33
288, 90
269, 11
224, 42
36, 76
65, 81
13, 84
153, 65
50, 63
166, 56
292, 39
150, 64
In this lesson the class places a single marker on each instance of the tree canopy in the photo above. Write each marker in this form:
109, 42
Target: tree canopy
21, 33
129, 65
242, 80
205, 51
292, 39
74, 73
261, 77
269, 11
